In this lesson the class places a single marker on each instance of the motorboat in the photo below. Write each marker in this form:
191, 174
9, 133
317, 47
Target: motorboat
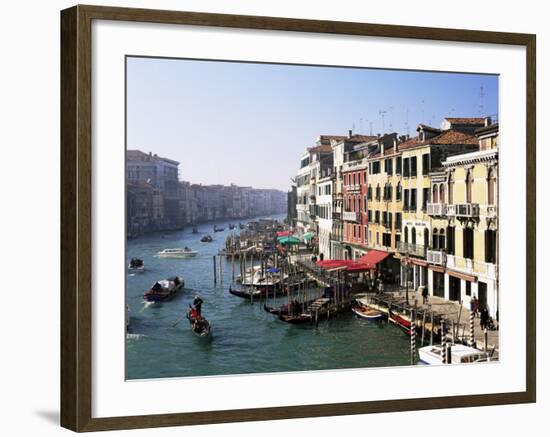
216, 229
186, 252
366, 312
136, 265
164, 289
207, 239
460, 354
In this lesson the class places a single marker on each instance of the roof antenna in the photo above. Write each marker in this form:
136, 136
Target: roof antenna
382, 114
481, 100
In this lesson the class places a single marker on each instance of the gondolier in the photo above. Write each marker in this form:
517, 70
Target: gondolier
197, 303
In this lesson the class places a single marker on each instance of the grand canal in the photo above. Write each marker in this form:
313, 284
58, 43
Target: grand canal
245, 339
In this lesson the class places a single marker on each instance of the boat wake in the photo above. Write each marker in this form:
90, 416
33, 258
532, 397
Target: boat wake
146, 305
130, 336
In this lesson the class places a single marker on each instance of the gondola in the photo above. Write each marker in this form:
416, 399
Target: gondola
199, 325
241, 226
283, 309
248, 294
216, 229
136, 265
232, 226
207, 239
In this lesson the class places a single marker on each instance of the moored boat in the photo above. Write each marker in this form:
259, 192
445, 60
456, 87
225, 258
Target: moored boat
232, 226
164, 289
460, 354
186, 252
249, 293
195, 230
216, 229
366, 312
400, 321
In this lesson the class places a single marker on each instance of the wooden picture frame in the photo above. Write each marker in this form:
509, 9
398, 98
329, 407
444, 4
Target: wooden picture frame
76, 218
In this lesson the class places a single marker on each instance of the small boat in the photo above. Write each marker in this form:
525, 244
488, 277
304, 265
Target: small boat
199, 325
241, 226
216, 229
195, 230
136, 265
164, 289
367, 312
207, 239
177, 253
246, 293
400, 321
460, 354
232, 226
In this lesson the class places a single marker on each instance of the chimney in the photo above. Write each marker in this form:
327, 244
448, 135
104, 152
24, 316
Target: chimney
350, 133
487, 121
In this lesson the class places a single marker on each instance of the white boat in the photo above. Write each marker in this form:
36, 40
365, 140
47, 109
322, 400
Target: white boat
177, 253
136, 265
460, 354
367, 312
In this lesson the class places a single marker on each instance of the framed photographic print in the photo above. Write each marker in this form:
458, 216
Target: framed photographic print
268, 218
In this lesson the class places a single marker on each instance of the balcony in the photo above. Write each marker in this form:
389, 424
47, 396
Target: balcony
336, 216
411, 249
351, 216
437, 209
490, 211
463, 210
436, 257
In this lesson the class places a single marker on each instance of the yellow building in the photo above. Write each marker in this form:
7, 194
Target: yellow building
470, 210
421, 156
384, 195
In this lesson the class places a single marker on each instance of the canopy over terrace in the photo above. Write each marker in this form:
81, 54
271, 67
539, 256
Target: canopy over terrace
288, 240
343, 264
283, 234
373, 257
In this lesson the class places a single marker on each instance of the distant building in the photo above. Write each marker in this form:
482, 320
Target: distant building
292, 199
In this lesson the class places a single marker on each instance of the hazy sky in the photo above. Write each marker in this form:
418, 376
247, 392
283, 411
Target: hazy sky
248, 124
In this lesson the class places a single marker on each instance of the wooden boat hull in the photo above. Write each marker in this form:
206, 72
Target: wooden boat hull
400, 321
367, 313
162, 296
246, 294
206, 330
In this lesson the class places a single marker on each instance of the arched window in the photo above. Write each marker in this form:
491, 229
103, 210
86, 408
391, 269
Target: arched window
451, 187
469, 183
491, 187
435, 239
413, 235
441, 239
406, 232
426, 237
435, 193
442, 193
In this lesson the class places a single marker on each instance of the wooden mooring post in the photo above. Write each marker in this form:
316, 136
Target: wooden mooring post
413, 336
221, 273
233, 266
214, 268
443, 343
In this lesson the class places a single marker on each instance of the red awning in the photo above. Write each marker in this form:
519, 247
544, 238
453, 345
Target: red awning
373, 257
283, 234
345, 264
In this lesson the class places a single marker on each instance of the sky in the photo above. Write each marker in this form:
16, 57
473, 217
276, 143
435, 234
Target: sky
249, 123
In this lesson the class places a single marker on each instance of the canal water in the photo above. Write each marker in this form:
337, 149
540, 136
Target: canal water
245, 338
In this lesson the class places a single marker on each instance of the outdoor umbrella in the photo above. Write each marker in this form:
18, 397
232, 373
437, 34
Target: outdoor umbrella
308, 236
288, 240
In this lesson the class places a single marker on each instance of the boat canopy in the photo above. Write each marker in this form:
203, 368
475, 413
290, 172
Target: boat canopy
373, 257
273, 270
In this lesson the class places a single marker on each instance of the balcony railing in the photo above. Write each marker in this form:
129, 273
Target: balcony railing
411, 249
463, 210
437, 209
350, 216
436, 257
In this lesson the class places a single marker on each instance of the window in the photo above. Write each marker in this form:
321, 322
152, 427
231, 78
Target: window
468, 243
426, 237
398, 191
413, 166
406, 204
413, 235
369, 192
425, 164
469, 183
491, 187
398, 165
490, 246
377, 217
406, 167
435, 239
441, 239
435, 194
369, 215
398, 221
451, 187
413, 199
442, 193
425, 196
450, 240
385, 219
390, 222
390, 192
468, 288
406, 232
377, 192
388, 166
